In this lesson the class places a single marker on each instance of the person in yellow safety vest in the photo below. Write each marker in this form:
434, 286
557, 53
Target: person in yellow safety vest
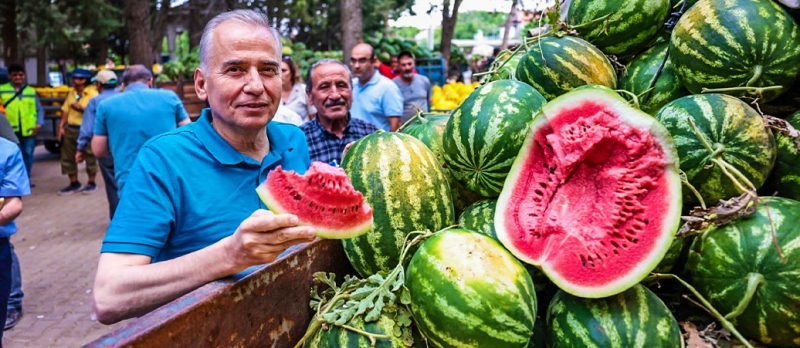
69, 130
24, 112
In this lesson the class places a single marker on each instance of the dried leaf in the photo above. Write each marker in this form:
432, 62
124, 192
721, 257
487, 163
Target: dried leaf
784, 127
700, 219
693, 339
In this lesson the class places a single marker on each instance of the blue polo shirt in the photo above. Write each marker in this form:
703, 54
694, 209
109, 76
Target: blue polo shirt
189, 188
131, 118
13, 178
376, 100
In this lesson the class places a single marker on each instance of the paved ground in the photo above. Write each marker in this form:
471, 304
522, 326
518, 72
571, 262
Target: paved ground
58, 245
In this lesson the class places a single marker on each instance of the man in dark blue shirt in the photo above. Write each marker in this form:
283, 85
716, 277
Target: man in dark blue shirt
330, 90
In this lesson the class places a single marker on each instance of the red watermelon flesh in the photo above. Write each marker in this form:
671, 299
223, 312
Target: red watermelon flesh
594, 196
322, 198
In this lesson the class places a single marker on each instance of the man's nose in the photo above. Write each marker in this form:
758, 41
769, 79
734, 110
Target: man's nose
253, 83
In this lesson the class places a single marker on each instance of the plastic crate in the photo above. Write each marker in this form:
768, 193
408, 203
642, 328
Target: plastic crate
433, 69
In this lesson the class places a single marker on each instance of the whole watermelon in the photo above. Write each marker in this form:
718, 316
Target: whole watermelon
737, 268
633, 318
468, 291
407, 189
736, 134
736, 43
785, 177
652, 68
429, 128
484, 134
632, 24
338, 337
556, 65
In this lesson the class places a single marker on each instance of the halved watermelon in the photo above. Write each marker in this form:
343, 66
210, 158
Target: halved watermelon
594, 196
322, 198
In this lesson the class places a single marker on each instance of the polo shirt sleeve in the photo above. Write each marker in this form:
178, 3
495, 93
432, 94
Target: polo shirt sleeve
392, 101
146, 214
180, 111
87, 126
100, 127
69, 100
15, 179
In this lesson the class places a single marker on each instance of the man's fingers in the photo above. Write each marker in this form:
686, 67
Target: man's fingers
265, 221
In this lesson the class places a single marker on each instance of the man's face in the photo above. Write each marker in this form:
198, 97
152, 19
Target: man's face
17, 78
407, 67
79, 81
362, 63
243, 81
395, 65
331, 92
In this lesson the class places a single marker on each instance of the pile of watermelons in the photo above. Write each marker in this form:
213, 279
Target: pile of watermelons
568, 173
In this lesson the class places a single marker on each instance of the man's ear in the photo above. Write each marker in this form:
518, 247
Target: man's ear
150, 83
200, 84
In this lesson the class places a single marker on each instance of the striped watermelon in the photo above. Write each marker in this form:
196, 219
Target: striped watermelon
504, 66
407, 189
484, 134
634, 318
556, 65
739, 261
429, 129
732, 129
785, 177
736, 43
643, 70
468, 291
632, 26
338, 337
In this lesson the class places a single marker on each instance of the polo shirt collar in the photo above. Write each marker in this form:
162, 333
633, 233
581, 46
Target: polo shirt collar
225, 154
135, 85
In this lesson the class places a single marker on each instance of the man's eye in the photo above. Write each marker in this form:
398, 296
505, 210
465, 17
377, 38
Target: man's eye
234, 69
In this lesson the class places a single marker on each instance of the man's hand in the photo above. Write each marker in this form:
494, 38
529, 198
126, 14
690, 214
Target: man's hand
35, 131
394, 123
263, 236
60, 133
78, 156
347, 147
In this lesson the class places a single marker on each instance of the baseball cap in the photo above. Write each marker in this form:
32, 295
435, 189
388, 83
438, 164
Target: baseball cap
81, 73
105, 77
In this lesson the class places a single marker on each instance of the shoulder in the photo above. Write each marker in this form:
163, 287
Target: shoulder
174, 141
363, 126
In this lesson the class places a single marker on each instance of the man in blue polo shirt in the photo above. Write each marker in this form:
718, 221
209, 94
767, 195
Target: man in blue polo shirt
13, 185
127, 120
376, 99
190, 214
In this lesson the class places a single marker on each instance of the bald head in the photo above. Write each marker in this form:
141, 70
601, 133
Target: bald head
136, 73
362, 62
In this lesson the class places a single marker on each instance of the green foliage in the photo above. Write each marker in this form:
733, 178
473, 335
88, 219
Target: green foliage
491, 23
185, 64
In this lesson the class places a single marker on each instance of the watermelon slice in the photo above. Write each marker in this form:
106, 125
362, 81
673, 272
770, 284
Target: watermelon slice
594, 196
323, 198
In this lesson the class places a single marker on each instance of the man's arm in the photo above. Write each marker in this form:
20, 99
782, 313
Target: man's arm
394, 123
128, 285
183, 122
393, 106
11, 210
100, 145
39, 117
87, 129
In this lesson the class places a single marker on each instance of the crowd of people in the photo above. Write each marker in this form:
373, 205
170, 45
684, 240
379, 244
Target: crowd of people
181, 194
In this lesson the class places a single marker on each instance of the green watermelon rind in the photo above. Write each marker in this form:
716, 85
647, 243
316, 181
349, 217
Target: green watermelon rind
633, 318
406, 187
671, 216
785, 176
459, 305
640, 73
722, 259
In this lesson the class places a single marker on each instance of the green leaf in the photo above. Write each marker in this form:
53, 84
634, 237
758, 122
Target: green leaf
405, 296
403, 317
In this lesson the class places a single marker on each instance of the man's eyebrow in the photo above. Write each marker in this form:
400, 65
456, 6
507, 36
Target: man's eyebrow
270, 62
233, 62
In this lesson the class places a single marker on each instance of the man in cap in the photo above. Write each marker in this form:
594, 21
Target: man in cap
416, 89
71, 118
105, 81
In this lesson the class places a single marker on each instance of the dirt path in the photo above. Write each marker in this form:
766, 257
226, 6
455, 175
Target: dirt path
58, 246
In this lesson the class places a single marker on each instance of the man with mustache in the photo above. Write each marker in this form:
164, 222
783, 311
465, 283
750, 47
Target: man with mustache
329, 89
189, 213
416, 89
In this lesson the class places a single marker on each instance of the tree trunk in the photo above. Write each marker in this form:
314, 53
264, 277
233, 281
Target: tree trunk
11, 51
102, 52
448, 29
41, 65
137, 22
352, 26
196, 23
159, 29
512, 15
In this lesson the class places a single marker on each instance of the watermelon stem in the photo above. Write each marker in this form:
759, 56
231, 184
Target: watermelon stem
756, 75
751, 90
634, 97
713, 311
372, 337
416, 116
724, 166
754, 280
696, 193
